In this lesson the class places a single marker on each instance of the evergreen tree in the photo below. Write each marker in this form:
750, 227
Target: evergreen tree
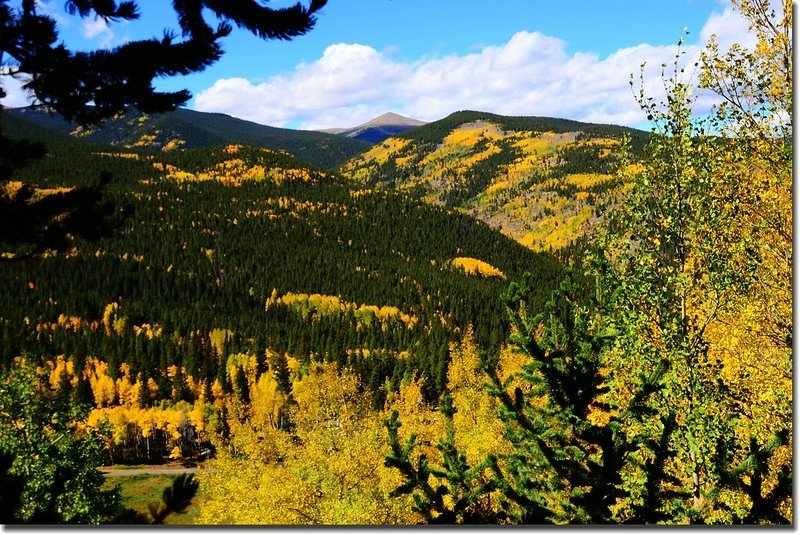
573, 459
180, 388
458, 500
748, 478
143, 395
281, 373
241, 385
82, 393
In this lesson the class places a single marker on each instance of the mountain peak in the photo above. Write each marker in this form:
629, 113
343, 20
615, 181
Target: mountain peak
391, 118
379, 128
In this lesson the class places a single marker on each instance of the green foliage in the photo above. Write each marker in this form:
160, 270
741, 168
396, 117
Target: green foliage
579, 158
317, 236
748, 477
50, 466
573, 457
577, 456
677, 268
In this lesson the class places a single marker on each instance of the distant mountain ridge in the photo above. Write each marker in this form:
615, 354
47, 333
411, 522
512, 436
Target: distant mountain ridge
378, 129
193, 129
435, 130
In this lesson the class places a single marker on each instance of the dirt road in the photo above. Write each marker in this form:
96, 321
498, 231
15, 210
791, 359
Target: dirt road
167, 470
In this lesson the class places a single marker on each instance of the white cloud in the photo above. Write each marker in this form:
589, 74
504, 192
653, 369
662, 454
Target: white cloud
347, 77
15, 96
531, 74
97, 29
93, 28
729, 27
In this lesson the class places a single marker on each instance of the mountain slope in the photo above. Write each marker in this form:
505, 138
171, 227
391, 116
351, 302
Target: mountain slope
192, 129
280, 257
545, 182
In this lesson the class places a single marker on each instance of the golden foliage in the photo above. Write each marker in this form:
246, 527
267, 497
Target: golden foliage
234, 171
173, 144
473, 266
310, 305
516, 200
478, 429
333, 475
124, 155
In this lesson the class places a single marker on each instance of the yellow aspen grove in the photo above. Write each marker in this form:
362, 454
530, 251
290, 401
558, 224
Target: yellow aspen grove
753, 338
331, 472
267, 403
478, 429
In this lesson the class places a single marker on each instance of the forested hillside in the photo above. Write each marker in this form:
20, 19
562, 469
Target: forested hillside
545, 182
363, 346
237, 252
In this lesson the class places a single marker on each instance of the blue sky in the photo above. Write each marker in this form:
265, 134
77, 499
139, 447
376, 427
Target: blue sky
428, 58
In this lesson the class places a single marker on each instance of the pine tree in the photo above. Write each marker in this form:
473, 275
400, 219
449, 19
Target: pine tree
447, 495
573, 458
281, 373
241, 386
82, 394
143, 395
180, 388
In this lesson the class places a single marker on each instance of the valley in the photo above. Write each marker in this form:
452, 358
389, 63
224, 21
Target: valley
237, 252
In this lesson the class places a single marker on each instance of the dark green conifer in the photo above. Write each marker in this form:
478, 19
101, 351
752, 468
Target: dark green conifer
241, 385
180, 388
281, 373
462, 499
748, 477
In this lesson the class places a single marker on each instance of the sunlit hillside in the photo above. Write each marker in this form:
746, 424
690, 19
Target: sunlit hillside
544, 182
480, 320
